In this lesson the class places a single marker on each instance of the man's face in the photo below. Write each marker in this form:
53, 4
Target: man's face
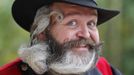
79, 22
74, 36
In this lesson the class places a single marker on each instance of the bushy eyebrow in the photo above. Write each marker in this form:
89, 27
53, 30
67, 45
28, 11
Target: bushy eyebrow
77, 13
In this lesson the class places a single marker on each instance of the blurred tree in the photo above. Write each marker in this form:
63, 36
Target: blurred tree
111, 34
11, 35
128, 37
118, 35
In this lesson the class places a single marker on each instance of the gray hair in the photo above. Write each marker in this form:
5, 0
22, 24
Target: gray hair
35, 53
42, 21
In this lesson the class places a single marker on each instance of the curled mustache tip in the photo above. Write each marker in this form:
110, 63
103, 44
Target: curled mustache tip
100, 44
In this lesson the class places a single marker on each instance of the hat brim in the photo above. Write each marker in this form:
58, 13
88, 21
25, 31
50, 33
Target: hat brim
24, 11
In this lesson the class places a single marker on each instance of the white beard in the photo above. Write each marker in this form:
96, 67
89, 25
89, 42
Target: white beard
35, 57
70, 63
73, 63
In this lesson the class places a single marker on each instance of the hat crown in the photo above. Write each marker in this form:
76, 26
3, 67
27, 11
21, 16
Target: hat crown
24, 11
94, 1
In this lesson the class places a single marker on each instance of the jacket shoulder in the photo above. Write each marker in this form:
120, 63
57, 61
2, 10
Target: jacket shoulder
11, 68
104, 67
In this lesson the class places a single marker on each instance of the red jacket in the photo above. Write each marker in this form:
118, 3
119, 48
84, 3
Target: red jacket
12, 68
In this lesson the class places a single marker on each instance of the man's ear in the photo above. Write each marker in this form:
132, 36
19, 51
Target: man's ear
41, 37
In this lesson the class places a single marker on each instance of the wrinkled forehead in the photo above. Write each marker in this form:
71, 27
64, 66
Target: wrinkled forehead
67, 8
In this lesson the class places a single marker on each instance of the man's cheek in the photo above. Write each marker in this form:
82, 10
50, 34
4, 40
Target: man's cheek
97, 37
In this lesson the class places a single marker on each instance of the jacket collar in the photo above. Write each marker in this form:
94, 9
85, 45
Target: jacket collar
95, 71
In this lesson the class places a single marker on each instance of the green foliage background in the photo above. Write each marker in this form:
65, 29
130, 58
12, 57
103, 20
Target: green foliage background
117, 34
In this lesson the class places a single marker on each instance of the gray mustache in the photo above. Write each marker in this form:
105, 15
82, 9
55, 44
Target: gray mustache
87, 42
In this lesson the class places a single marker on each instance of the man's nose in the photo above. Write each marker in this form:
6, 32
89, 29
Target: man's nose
84, 33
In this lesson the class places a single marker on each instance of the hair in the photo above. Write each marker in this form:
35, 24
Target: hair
35, 52
42, 21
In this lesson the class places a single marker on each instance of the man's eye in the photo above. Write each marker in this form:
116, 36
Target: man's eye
91, 24
72, 23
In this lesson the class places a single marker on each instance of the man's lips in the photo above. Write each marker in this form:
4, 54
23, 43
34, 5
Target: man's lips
80, 48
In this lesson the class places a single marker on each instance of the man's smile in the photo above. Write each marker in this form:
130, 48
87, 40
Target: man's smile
80, 48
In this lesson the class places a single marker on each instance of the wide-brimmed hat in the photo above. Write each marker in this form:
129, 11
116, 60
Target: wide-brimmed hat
24, 11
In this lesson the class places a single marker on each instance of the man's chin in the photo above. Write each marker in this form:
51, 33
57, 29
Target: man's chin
73, 68
70, 70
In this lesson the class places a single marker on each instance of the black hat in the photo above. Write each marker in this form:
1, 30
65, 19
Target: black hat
24, 11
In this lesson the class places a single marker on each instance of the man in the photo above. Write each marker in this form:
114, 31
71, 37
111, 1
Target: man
64, 38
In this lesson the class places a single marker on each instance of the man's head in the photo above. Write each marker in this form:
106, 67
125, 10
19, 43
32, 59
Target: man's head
72, 36
71, 32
